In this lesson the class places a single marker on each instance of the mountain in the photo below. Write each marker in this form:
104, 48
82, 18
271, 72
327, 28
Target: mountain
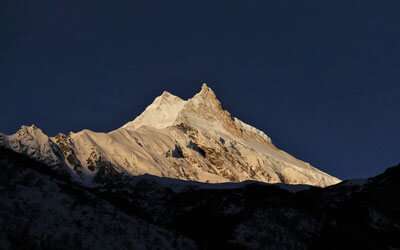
194, 139
42, 209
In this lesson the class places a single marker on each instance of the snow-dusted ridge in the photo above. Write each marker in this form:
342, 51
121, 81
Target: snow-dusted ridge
162, 113
194, 139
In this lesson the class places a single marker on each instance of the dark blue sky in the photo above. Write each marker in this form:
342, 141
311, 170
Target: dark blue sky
320, 77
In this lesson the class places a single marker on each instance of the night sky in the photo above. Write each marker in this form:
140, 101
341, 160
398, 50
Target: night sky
320, 77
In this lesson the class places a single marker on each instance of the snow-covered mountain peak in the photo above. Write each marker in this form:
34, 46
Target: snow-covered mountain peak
206, 96
160, 114
168, 110
167, 97
33, 142
32, 131
194, 139
206, 91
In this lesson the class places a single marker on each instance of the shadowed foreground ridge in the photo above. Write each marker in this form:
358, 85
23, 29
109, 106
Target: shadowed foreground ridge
43, 209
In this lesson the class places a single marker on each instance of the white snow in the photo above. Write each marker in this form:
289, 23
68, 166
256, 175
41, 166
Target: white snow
162, 113
252, 129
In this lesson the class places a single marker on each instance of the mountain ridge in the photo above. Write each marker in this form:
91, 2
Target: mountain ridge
41, 210
194, 139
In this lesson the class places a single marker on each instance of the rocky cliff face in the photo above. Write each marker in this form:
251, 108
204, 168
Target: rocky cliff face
194, 139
